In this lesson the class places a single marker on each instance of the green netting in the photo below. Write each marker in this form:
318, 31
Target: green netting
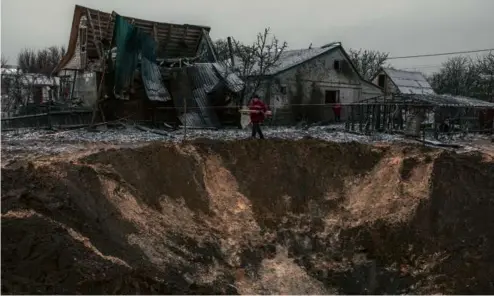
131, 42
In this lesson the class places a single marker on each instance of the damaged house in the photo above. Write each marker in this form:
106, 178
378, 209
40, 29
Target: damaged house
304, 83
410, 104
146, 71
27, 93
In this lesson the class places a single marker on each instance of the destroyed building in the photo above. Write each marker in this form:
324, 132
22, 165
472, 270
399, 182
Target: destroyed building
410, 105
154, 72
26, 93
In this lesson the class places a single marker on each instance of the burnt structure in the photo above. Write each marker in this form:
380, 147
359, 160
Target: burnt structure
410, 106
148, 71
428, 115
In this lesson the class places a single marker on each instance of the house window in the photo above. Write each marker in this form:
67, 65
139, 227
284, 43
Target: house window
283, 90
337, 65
382, 80
83, 45
332, 96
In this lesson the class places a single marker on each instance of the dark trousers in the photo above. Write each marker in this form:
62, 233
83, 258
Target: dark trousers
337, 118
256, 129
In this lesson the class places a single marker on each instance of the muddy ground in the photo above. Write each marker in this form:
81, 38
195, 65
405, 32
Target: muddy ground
247, 217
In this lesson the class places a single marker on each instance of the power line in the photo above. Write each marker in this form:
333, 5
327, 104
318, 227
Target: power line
423, 67
440, 54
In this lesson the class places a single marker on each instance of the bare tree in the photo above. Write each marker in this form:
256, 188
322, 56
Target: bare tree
486, 69
457, 76
255, 61
222, 50
368, 62
4, 61
42, 61
26, 60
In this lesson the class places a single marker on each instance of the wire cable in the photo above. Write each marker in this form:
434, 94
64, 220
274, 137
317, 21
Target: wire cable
440, 54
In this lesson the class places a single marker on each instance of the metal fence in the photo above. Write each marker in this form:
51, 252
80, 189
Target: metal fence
56, 119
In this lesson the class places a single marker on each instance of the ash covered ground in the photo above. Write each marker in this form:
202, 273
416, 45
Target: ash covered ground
34, 142
22, 143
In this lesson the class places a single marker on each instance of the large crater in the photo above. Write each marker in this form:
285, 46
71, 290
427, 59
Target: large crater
248, 217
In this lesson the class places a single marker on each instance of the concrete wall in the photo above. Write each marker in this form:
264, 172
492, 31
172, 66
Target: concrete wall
86, 88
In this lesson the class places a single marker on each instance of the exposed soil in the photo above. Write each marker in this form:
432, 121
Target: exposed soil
248, 217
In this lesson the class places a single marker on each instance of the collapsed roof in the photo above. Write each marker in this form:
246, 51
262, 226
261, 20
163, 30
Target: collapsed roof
446, 100
429, 100
173, 40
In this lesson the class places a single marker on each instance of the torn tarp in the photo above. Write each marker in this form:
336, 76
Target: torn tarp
131, 43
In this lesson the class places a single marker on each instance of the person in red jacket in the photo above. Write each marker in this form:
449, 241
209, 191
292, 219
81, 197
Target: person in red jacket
337, 111
258, 111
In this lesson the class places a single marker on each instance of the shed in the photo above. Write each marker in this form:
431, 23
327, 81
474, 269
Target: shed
402, 82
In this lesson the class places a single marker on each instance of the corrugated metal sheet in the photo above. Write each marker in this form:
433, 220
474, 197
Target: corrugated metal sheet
409, 82
451, 101
232, 81
153, 84
181, 91
203, 79
192, 119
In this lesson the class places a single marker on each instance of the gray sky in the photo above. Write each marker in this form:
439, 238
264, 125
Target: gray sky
400, 27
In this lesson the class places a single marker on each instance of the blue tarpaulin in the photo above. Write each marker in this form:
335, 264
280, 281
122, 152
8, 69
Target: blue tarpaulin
131, 44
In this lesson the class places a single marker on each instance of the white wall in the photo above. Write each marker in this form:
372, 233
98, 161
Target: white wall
390, 88
86, 88
370, 91
76, 60
320, 71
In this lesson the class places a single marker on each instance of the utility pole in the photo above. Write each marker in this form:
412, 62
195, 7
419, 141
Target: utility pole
230, 49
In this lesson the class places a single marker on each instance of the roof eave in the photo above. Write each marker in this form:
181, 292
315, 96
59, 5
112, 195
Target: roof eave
72, 39
307, 60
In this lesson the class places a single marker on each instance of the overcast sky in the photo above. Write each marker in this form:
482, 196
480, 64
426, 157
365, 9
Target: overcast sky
400, 27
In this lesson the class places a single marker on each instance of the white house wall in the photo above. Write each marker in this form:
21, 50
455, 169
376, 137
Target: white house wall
369, 91
390, 88
75, 61
320, 71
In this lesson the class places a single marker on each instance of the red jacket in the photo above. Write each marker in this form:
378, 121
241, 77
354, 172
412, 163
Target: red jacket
337, 109
261, 108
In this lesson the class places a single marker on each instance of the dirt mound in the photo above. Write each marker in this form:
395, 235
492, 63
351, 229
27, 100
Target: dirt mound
280, 217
